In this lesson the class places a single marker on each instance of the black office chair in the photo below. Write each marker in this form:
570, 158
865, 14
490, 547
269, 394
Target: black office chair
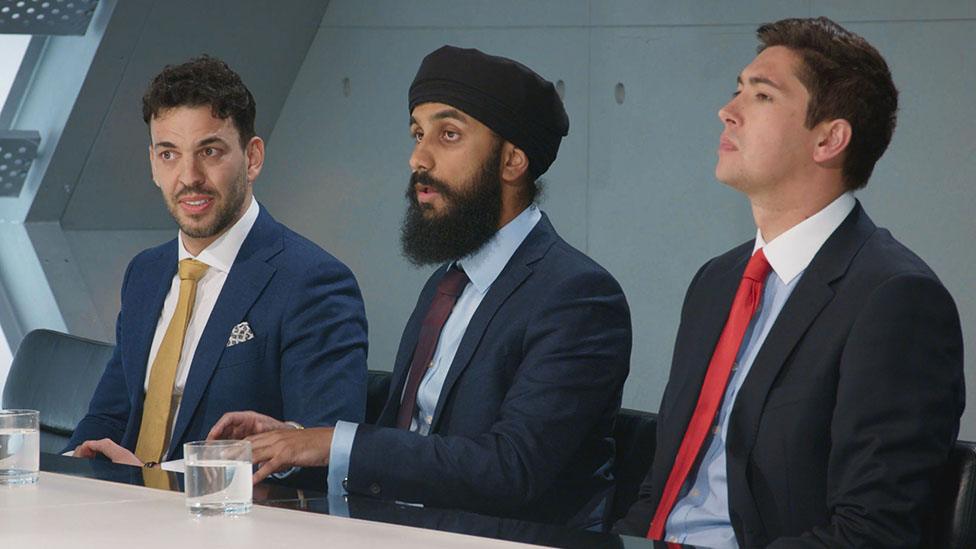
55, 373
635, 435
953, 519
377, 390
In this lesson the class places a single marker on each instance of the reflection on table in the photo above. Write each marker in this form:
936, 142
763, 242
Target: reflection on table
278, 496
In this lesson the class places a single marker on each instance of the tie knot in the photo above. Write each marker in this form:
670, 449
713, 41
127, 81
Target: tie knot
453, 282
191, 269
758, 267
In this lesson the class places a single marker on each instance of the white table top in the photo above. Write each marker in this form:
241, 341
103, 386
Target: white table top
65, 511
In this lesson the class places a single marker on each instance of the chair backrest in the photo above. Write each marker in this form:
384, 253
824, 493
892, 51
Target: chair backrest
56, 374
952, 522
377, 390
635, 435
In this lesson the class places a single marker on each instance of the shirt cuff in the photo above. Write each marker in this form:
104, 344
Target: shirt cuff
342, 439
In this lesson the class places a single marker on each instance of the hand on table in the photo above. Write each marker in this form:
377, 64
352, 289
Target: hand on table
238, 425
284, 448
108, 448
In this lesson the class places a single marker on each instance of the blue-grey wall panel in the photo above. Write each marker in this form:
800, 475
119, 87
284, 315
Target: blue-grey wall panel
693, 12
894, 10
656, 212
453, 14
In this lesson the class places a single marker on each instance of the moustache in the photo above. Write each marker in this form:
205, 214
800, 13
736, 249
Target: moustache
198, 190
427, 180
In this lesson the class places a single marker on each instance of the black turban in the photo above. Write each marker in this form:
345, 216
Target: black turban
508, 97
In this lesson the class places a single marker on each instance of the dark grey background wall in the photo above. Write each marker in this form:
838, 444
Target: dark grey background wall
633, 185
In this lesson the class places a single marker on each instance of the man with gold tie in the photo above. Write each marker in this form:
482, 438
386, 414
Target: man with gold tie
238, 312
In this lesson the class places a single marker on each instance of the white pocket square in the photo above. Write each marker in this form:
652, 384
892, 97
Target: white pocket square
241, 333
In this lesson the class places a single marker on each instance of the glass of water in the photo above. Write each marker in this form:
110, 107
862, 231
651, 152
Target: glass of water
20, 446
218, 477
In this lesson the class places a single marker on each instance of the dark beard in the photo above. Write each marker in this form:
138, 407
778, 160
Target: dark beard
469, 220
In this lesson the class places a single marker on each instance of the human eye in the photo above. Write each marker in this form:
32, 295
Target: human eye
167, 155
763, 97
210, 152
451, 135
417, 135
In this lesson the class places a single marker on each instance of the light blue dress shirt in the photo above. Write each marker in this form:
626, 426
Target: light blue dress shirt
701, 514
482, 268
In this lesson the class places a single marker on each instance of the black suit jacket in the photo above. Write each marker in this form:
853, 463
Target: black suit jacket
850, 407
524, 420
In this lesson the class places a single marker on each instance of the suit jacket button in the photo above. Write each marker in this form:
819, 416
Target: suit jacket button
374, 489
345, 484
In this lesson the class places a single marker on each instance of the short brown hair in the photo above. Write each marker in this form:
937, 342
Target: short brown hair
202, 81
847, 78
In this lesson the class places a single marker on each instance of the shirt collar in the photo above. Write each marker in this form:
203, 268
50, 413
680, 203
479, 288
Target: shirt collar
220, 254
484, 265
791, 252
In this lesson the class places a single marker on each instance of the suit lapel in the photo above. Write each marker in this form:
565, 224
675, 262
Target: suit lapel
535, 246
155, 285
812, 293
245, 282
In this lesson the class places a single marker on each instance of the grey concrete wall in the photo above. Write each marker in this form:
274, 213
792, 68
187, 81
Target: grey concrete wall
633, 185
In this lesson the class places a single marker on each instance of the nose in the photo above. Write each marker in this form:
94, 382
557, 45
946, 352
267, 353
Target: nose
728, 114
190, 172
420, 158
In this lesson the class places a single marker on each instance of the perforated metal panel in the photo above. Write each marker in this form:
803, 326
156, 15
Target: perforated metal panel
46, 16
17, 150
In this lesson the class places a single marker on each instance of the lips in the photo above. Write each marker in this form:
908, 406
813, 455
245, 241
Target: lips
196, 203
425, 193
725, 144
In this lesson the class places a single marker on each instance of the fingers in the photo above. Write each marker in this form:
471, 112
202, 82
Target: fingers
227, 425
109, 449
238, 425
264, 471
84, 450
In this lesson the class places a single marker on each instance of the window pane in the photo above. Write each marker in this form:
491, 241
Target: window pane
13, 47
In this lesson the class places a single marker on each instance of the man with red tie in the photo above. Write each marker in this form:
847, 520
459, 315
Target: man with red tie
816, 385
510, 369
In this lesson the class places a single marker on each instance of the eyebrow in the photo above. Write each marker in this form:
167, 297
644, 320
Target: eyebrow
756, 80
203, 143
443, 115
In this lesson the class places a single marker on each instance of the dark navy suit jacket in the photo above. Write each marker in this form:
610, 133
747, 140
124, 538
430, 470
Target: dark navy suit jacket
523, 424
851, 405
306, 362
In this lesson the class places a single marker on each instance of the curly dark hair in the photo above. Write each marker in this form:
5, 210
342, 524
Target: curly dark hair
203, 80
847, 79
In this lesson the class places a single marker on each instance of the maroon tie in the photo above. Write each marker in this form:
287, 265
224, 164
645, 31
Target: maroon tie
744, 305
448, 290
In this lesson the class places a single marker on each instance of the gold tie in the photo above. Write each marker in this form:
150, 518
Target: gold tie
158, 409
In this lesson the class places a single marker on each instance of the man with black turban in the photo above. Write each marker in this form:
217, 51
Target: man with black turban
509, 372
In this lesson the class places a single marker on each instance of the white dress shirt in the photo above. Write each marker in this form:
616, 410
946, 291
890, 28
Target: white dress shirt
220, 256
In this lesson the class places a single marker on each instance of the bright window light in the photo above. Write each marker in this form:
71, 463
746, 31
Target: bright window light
13, 47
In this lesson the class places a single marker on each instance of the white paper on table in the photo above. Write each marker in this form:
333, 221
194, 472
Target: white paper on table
176, 466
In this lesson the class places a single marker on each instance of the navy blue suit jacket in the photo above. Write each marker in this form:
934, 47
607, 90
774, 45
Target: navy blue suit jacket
306, 362
851, 406
523, 423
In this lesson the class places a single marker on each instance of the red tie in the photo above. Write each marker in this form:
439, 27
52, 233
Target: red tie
746, 302
448, 290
